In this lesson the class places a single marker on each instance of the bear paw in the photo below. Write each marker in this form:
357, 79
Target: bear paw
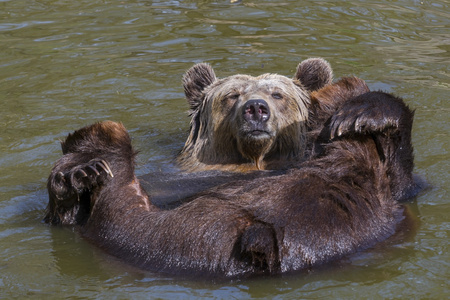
260, 244
80, 178
366, 114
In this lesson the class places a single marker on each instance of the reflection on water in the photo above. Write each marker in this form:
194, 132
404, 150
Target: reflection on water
64, 65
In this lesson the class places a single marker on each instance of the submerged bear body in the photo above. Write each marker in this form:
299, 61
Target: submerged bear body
342, 198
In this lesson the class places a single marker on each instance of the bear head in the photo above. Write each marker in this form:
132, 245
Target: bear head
242, 123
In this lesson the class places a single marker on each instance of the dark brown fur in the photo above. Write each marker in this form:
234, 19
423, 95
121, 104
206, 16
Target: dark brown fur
343, 199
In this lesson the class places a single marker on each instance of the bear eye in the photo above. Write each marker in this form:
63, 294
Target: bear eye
234, 96
277, 95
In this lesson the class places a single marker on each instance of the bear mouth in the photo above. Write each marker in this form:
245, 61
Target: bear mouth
251, 131
258, 132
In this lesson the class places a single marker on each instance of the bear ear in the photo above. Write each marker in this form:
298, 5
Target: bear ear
195, 81
314, 73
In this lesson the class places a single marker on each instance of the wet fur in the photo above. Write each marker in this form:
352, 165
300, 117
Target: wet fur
343, 199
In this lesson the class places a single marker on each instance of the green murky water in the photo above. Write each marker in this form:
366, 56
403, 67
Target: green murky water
66, 64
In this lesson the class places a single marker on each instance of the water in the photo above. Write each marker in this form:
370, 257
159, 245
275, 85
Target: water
66, 64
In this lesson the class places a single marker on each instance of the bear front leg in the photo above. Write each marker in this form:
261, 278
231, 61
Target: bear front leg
90, 153
387, 120
71, 189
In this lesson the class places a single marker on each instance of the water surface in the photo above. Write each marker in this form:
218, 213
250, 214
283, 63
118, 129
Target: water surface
66, 64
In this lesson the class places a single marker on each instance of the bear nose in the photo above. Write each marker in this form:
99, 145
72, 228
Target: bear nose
256, 110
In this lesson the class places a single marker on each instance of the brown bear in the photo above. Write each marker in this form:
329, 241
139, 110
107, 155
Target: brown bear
243, 123
342, 199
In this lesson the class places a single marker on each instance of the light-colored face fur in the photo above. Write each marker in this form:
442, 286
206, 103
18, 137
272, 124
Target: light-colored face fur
242, 123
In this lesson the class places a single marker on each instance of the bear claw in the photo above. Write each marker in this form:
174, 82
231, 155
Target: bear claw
105, 166
86, 175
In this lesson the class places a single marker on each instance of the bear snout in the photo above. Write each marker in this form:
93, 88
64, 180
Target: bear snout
256, 112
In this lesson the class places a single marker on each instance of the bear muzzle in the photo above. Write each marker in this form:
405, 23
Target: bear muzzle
256, 113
